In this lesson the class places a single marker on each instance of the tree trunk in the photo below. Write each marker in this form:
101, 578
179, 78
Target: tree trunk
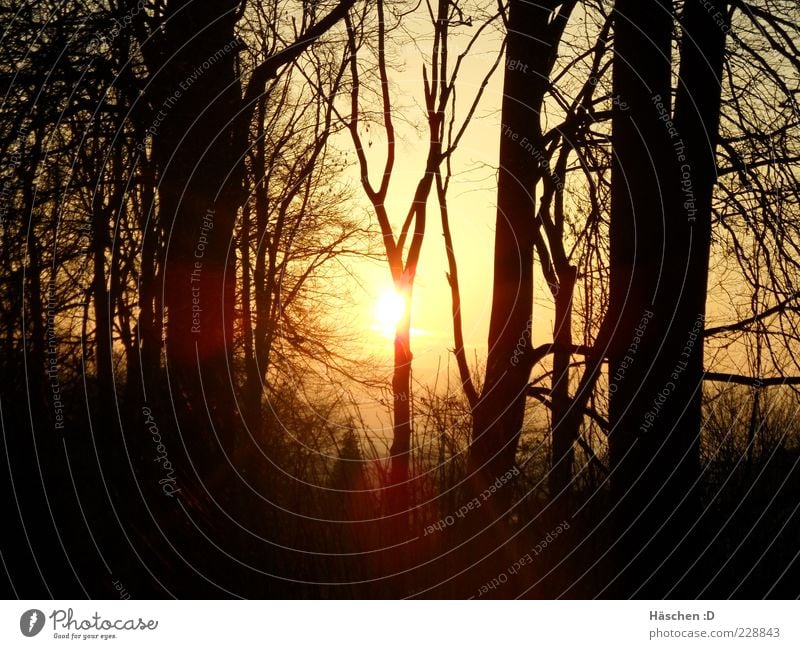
498, 415
194, 149
147, 361
399, 496
659, 265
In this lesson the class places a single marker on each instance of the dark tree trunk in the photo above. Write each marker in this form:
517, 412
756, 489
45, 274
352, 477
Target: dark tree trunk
147, 358
697, 116
399, 488
643, 233
498, 415
256, 313
194, 150
106, 205
659, 261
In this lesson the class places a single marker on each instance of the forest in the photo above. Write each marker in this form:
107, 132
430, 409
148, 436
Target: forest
385, 299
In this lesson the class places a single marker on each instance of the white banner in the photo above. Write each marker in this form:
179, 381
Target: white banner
398, 625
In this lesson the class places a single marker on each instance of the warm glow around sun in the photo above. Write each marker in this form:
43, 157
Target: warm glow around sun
389, 310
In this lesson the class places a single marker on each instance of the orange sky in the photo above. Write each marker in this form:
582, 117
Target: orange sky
472, 200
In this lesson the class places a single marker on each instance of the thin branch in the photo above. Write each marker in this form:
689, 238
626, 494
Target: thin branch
541, 395
742, 324
756, 382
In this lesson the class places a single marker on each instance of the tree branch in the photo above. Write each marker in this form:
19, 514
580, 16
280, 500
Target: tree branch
756, 382
738, 326
540, 394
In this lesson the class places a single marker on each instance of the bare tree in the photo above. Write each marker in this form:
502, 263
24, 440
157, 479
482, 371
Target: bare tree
534, 33
403, 247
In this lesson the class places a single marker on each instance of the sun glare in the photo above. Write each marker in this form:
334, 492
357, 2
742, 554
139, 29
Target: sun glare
389, 310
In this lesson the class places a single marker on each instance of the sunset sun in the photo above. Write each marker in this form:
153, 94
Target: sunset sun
389, 310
